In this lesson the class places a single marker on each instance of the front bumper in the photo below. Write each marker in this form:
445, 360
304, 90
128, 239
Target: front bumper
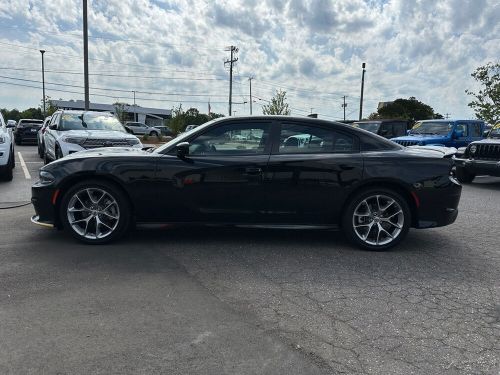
42, 198
479, 167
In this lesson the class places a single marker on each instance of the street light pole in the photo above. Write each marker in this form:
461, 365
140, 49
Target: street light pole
86, 55
135, 114
362, 90
43, 83
250, 80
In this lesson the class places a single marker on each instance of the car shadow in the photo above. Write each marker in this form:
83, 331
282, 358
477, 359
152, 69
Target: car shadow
485, 183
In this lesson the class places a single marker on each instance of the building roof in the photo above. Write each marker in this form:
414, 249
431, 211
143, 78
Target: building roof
80, 104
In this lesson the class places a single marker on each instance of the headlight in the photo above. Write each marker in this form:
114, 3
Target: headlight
133, 141
74, 140
2, 140
46, 177
473, 149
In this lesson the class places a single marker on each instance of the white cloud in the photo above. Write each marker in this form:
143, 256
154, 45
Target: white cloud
421, 48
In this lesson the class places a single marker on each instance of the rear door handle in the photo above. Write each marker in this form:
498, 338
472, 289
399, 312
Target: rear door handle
253, 170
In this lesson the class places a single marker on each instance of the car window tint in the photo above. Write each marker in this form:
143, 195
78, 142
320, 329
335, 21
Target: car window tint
475, 129
386, 130
232, 139
302, 139
462, 127
399, 129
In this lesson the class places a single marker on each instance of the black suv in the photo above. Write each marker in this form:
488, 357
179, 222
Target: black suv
391, 128
480, 157
27, 131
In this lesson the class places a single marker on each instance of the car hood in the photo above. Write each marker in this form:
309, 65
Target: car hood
109, 151
428, 138
492, 141
99, 134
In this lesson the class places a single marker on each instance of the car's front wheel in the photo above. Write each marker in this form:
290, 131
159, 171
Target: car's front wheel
154, 133
464, 176
376, 219
95, 212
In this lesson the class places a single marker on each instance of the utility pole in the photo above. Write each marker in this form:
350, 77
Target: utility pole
43, 83
233, 50
362, 90
86, 55
135, 114
250, 80
343, 106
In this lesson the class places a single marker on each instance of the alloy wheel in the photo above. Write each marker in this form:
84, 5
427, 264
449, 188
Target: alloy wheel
378, 220
93, 213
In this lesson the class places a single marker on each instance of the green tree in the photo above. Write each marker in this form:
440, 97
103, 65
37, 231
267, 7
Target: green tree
177, 124
277, 106
407, 109
49, 107
486, 103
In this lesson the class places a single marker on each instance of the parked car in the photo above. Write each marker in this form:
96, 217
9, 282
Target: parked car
449, 133
374, 190
480, 157
165, 130
40, 139
190, 127
11, 124
72, 131
7, 161
385, 128
142, 129
26, 131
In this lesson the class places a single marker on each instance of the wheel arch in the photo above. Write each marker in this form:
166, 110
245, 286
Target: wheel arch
395, 185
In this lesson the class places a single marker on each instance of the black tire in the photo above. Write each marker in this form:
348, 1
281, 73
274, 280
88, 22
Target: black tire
46, 159
6, 172
114, 191
349, 218
13, 158
154, 133
40, 151
464, 176
59, 153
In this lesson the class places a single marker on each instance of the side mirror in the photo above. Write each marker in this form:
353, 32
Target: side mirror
53, 127
182, 150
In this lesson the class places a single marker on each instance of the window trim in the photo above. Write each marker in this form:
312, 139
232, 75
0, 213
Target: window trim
276, 139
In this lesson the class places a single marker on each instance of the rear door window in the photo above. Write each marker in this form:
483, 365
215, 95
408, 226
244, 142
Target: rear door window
475, 129
298, 138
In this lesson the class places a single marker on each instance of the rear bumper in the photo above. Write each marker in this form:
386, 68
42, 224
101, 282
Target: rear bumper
479, 167
438, 206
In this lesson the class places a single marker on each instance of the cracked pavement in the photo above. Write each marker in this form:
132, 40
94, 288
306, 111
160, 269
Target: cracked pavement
206, 300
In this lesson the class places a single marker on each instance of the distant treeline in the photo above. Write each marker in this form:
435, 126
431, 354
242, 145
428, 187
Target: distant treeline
15, 114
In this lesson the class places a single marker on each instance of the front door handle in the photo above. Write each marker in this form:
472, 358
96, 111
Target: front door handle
253, 170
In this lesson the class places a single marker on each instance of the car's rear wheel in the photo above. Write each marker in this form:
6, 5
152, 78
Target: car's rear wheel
95, 212
153, 134
376, 219
464, 176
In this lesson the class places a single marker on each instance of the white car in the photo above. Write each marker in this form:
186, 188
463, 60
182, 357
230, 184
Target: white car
142, 129
7, 161
74, 131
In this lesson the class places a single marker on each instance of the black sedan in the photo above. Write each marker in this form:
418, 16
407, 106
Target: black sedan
274, 171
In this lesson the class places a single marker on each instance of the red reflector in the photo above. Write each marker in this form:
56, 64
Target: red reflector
54, 196
415, 197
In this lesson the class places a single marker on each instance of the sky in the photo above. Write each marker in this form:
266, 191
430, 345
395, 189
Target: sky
172, 52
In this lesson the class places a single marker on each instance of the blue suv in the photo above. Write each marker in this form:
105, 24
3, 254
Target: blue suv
449, 133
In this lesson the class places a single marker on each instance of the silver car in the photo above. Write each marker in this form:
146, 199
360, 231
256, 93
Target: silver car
142, 129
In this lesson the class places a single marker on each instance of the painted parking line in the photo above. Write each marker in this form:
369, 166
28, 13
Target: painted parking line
23, 166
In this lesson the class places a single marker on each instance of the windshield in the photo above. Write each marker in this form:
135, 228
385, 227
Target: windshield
437, 128
183, 136
370, 126
90, 121
495, 131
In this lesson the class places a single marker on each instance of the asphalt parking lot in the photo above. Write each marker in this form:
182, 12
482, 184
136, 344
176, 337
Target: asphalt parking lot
235, 301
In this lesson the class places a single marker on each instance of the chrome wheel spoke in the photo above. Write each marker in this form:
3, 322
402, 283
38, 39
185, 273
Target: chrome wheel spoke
378, 220
87, 217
